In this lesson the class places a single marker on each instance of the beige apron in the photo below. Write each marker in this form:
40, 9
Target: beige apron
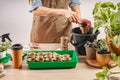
50, 29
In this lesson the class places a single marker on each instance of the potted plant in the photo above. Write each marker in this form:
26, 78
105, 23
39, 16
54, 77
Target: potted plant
3, 47
90, 48
97, 53
107, 15
97, 50
102, 52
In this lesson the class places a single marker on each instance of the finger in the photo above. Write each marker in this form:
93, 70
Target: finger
78, 20
88, 24
70, 19
67, 16
81, 28
73, 18
85, 20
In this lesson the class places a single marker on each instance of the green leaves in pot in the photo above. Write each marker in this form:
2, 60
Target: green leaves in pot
99, 45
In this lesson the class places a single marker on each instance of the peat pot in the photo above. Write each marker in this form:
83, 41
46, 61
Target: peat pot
90, 53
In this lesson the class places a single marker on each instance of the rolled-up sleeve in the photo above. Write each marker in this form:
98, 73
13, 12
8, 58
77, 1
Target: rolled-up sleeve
74, 3
35, 4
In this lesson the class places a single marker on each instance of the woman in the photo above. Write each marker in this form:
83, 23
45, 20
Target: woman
52, 19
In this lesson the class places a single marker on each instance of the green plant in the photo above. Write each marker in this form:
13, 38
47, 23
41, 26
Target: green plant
91, 44
106, 73
4, 46
99, 45
102, 46
106, 15
115, 58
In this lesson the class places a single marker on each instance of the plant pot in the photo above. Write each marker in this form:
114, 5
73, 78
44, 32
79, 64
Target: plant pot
78, 39
90, 53
2, 54
103, 59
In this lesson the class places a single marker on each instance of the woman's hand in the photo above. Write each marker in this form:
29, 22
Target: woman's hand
44, 11
72, 16
88, 22
86, 26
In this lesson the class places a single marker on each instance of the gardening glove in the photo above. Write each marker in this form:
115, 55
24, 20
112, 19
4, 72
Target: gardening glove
85, 25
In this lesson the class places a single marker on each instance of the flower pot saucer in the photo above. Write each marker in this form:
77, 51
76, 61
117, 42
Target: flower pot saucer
95, 64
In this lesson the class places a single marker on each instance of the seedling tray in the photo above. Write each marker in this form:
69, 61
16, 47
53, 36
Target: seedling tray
55, 64
5, 59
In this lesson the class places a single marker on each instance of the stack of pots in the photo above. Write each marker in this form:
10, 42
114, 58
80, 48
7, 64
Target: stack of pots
78, 39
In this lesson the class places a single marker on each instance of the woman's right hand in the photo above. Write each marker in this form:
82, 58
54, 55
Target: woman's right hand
72, 16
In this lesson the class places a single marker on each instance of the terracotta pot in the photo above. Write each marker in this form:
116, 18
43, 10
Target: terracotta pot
90, 53
103, 59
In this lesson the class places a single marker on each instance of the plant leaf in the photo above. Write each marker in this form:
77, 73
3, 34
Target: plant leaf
100, 75
98, 23
113, 56
96, 8
115, 23
119, 61
108, 4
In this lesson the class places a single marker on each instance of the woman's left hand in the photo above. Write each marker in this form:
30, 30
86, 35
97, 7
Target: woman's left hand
86, 28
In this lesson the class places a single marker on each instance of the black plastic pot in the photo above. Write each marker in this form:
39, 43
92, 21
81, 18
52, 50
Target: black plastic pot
78, 39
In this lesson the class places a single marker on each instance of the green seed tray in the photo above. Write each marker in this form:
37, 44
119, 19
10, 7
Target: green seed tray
5, 59
55, 64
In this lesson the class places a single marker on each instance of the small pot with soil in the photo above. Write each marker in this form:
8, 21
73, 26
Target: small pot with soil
102, 53
103, 59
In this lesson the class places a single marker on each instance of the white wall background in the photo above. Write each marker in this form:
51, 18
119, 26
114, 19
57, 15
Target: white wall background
16, 19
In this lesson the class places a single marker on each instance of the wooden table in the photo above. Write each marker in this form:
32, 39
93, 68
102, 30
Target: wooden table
81, 72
